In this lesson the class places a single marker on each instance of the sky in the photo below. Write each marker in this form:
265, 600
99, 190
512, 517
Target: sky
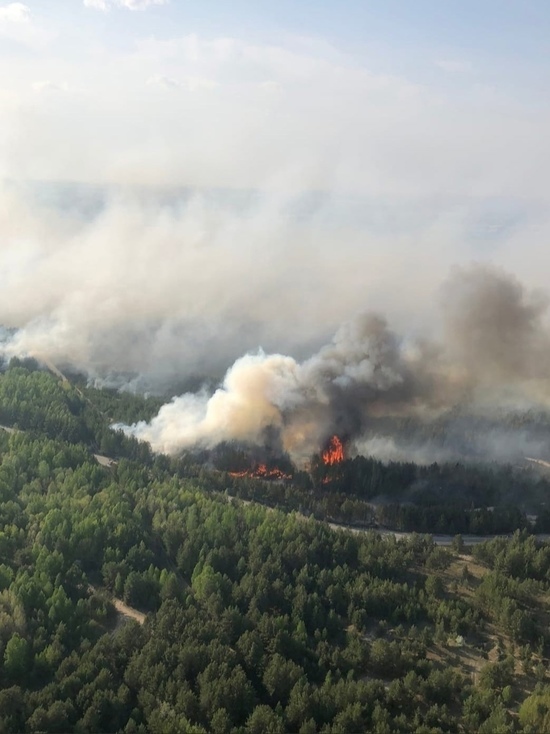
321, 159
380, 98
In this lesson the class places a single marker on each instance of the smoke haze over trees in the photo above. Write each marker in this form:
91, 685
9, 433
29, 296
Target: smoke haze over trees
176, 288
247, 618
224, 193
494, 351
273, 299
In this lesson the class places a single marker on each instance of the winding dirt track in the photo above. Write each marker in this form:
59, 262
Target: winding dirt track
127, 611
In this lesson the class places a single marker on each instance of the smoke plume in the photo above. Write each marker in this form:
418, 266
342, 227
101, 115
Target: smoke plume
495, 347
149, 287
159, 289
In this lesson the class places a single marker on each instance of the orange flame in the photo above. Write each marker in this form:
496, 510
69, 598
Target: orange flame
334, 453
261, 471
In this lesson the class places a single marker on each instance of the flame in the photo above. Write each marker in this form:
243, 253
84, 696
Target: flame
261, 471
334, 453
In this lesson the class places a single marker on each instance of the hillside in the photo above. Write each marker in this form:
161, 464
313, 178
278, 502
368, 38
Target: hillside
245, 619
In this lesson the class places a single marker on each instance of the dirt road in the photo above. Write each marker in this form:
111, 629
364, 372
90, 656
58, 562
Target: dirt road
127, 611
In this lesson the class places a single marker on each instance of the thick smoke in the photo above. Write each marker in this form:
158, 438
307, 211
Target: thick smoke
495, 328
151, 290
244, 194
146, 288
495, 348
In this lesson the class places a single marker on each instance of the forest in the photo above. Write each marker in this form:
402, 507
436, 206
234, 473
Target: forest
144, 596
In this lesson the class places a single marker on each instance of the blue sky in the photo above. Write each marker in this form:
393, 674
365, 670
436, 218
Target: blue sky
488, 26
498, 34
497, 37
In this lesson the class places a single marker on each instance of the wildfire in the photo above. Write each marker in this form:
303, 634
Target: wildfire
334, 453
261, 471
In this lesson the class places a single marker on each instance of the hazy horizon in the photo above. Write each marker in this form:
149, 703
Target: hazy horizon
184, 186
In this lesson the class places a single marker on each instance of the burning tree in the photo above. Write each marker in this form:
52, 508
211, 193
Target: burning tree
334, 452
325, 466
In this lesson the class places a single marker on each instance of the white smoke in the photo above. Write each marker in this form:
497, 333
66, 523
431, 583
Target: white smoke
251, 399
173, 284
298, 401
367, 371
317, 188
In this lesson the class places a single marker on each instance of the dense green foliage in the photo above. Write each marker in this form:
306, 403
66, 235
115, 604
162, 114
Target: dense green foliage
441, 498
33, 400
475, 498
344, 507
256, 621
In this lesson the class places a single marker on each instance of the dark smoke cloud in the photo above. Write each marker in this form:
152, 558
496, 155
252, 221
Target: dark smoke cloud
145, 291
494, 327
494, 350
